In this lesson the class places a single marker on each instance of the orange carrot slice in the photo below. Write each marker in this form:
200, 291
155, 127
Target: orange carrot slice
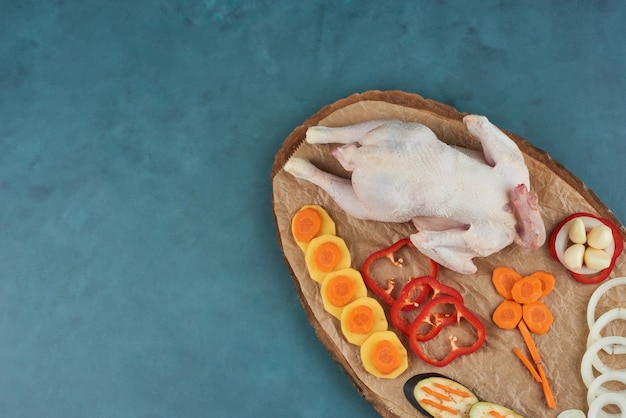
537, 317
526, 290
547, 281
340, 290
307, 222
503, 279
327, 256
360, 320
385, 356
508, 314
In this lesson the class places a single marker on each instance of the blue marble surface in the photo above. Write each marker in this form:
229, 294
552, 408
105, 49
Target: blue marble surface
140, 274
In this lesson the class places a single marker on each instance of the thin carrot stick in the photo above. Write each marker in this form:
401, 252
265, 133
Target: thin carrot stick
546, 387
527, 363
436, 394
534, 353
451, 390
440, 406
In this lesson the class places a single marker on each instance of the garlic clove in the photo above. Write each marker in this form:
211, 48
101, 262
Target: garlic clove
600, 237
577, 231
596, 259
573, 257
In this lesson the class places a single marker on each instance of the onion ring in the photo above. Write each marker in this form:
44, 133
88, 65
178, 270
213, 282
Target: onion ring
609, 398
603, 321
595, 297
590, 356
572, 413
596, 389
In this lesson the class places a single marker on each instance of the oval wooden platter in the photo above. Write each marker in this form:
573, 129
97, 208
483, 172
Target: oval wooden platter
494, 373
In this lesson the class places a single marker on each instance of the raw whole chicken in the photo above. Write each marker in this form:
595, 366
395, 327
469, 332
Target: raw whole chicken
464, 203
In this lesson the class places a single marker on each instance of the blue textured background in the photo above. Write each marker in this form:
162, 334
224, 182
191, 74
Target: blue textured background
139, 270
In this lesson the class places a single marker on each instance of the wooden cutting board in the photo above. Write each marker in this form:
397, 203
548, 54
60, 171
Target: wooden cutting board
493, 372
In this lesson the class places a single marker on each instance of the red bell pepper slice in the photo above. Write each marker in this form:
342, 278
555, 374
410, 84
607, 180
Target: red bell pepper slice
389, 253
439, 321
413, 294
617, 239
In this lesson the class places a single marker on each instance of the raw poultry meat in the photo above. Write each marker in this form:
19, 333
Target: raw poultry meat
464, 203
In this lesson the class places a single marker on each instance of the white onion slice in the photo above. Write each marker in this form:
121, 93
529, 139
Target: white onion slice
609, 398
562, 240
603, 321
589, 362
572, 413
597, 294
596, 389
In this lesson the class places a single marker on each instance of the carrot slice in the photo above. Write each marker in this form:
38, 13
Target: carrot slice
496, 414
361, 319
306, 224
508, 314
547, 282
534, 354
385, 357
340, 290
503, 279
537, 317
327, 256
526, 290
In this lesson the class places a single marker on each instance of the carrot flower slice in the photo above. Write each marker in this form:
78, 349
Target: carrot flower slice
527, 290
508, 314
503, 279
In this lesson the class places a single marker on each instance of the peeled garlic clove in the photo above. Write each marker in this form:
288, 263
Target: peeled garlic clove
573, 257
596, 259
600, 237
577, 231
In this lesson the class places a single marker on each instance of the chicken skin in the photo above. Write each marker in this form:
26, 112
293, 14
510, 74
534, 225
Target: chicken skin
463, 203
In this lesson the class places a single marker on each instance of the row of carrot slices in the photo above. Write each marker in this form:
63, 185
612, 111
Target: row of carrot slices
344, 294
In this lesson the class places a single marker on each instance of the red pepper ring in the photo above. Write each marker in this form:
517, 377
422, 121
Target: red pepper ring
617, 239
389, 252
413, 294
424, 317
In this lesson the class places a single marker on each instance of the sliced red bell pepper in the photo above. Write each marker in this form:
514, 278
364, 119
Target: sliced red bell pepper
617, 239
437, 322
389, 253
413, 294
